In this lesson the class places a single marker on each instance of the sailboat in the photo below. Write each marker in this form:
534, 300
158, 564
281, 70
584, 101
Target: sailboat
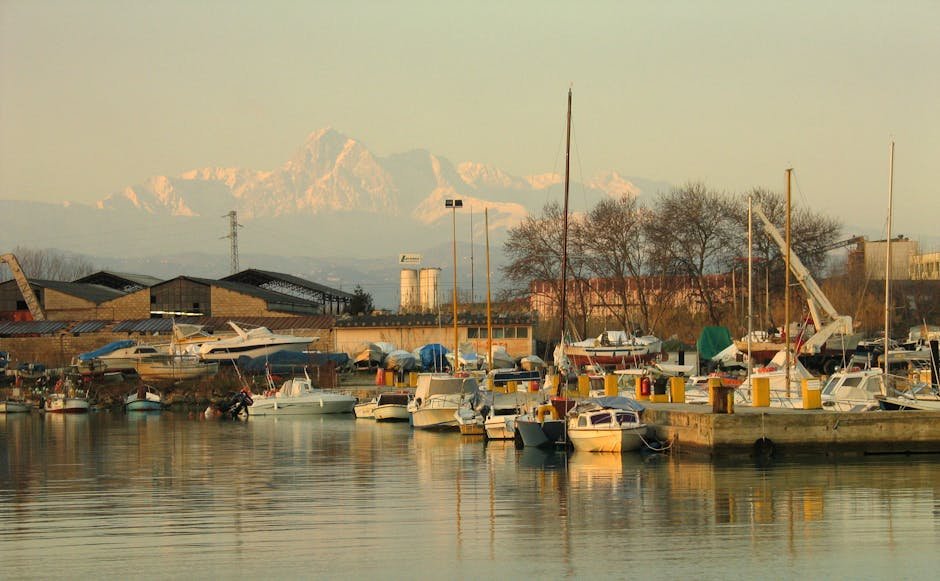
545, 425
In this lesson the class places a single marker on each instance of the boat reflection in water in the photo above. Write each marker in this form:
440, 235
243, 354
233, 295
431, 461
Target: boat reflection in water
480, 510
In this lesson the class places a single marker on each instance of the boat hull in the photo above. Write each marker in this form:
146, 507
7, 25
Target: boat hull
14, 407
606, 440
223, 355
390, 413
540, 434
317, 406
497, 428
67, 405
365, 411
144, 406
437, 418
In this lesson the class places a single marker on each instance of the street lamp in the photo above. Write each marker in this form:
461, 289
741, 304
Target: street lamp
453, 205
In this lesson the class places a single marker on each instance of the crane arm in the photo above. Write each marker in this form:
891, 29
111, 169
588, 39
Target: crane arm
817, 300
25, 289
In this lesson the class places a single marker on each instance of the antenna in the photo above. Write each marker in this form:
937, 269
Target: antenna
233, 235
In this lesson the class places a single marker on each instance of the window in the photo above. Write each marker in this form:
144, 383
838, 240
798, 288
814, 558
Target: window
598, 419
522, 332
499, 332
473, 332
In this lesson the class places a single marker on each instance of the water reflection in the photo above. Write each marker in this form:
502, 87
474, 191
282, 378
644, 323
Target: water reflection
168, 488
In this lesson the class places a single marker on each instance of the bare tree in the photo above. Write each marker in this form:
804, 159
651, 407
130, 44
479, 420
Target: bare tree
50, 264
692, 235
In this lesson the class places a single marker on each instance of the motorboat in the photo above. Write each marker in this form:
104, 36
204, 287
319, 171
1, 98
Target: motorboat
298, 396
365, 410
501, 359
14, 407
121, 356
604, 425
392, 407
254, 342
436, 399
66, 402
853, 389
143, 399
175, 368
614, 348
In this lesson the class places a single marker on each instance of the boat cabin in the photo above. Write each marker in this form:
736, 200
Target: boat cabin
608, 417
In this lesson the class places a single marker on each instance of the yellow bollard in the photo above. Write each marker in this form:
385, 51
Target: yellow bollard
390, 378
584, 386
812, 394
714, 383
677, 389
639, 389
611, 389
730, 405
760, 392
413, 379
511, 387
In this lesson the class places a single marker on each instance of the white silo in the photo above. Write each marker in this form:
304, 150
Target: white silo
409, 290
430, 278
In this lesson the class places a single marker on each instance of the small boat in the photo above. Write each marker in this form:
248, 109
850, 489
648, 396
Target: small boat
61, 403
14, 407
175, 368
436, 399
501, 359
469, 422
365, 410
368, 356
143, 399
392, 407
123, 359
853, 389
298, 396
617, 348
532, 363
600, 428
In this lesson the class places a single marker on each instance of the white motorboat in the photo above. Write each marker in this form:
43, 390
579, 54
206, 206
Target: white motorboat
606, 430
255, 342
125, 359
853, 389
175, 368
143, 399
392, 407
365, 410
298, 396
436, 399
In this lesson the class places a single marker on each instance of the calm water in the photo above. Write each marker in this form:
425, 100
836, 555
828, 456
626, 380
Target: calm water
173, 495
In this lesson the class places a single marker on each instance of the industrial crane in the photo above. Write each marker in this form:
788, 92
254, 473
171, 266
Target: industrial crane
827, 320
26, 290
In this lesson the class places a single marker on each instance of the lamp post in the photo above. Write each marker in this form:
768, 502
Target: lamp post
453, 205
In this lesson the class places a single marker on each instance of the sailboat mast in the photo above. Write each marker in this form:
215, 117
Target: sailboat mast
489, 314
750, 269
564, 232
888, 265
786, 292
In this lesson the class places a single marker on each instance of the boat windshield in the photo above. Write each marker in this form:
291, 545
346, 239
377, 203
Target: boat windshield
626, 418
831, 385
601, 418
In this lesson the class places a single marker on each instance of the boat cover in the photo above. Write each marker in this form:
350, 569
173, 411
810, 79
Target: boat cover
433, 356
618, 402
400, 360
712, 341
104, 350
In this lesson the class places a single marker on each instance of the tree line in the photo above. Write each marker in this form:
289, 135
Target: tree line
686, 240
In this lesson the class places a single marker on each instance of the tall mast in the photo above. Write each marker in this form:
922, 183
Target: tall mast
786, 291
750, 268
489, 315
888, 265
564, 232
472, 297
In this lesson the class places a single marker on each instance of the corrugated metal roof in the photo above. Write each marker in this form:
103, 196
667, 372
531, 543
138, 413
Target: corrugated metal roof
254, 276
11, 328
90, 292
144, 326
87, 326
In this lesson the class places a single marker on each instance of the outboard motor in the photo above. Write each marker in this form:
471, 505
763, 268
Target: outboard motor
239, 403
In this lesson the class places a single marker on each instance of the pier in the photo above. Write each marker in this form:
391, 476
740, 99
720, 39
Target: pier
779, 432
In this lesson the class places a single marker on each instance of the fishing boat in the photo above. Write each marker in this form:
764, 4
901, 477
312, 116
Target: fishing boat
364, 410
143, 399
606, 427
297, 396
436, 399
392, 407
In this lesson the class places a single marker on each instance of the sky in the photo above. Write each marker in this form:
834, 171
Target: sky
99, 94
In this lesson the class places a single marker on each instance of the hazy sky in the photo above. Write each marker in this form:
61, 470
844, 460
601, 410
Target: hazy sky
96, 95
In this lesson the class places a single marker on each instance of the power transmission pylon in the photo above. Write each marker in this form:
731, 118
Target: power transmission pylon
233, 235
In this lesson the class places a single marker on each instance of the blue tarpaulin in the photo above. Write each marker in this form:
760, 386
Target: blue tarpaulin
109, 348
433, 357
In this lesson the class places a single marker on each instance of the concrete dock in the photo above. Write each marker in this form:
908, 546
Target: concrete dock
778, 432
